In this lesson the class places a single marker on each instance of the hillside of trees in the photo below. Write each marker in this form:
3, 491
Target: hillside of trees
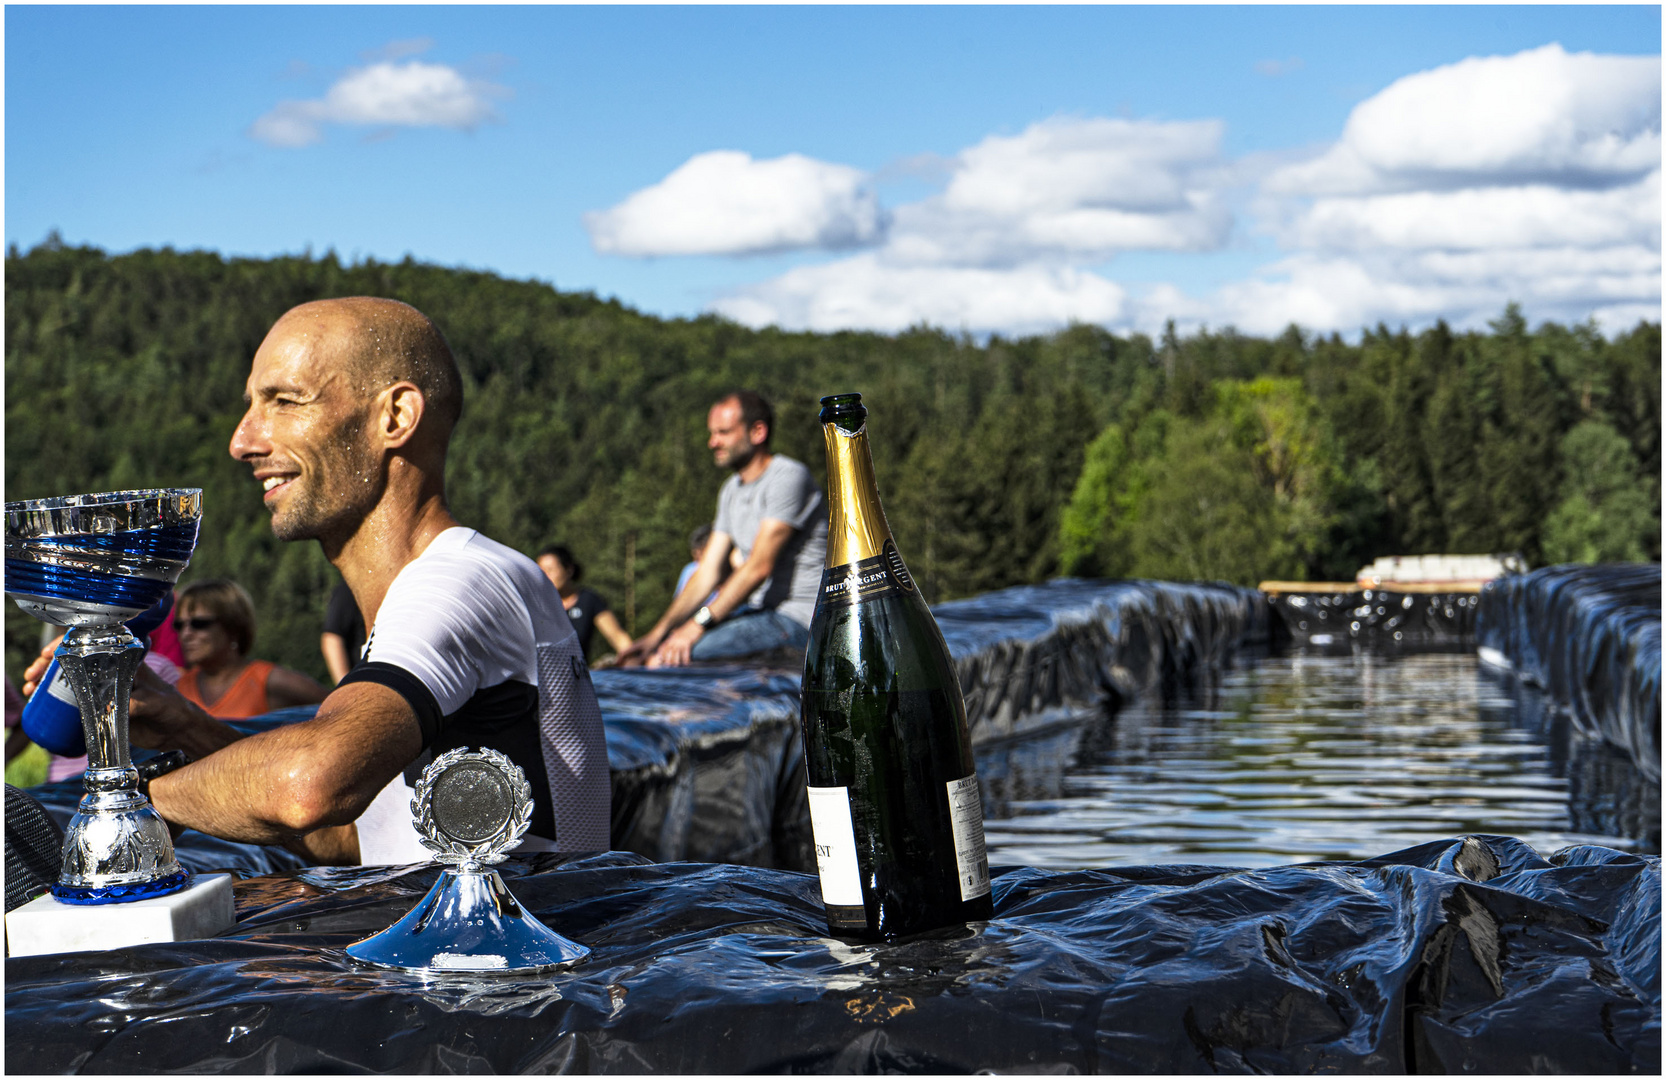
1211, 456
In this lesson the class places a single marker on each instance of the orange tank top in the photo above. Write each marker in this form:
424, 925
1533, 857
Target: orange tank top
247, 696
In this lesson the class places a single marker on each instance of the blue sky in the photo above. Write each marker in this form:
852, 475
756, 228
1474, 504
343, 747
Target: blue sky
990, 168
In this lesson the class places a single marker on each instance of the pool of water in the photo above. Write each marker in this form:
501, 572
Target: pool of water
1302, 757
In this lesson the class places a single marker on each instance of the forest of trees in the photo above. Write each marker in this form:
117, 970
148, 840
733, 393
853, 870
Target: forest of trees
1211, 456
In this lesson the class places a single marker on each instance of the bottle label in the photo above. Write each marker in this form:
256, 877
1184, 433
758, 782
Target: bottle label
841, 881
966, 817
882, 575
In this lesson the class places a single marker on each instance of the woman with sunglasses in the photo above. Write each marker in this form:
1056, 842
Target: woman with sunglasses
215, 620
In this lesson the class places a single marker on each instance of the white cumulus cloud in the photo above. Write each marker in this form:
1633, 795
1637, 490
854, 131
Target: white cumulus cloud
1073, 189
865, 291
1540, 116
384, 94
726, 203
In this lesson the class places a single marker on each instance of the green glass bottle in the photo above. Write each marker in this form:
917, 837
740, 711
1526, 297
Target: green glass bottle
894, 802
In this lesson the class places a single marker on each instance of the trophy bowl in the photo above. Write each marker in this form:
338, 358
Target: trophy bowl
90, 563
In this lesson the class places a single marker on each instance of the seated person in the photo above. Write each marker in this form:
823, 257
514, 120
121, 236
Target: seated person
342, 641
215, 621
697, 541
587, 609
764, 557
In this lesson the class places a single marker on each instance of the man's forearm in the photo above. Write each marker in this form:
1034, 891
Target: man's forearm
279, 784
732, 596
683, 605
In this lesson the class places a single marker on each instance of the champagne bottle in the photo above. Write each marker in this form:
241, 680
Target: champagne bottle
894, 802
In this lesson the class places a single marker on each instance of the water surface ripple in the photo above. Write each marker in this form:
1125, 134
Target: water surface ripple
1303, 757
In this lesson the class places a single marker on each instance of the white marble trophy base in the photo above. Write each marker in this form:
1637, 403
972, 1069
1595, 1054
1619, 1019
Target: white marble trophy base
44, 925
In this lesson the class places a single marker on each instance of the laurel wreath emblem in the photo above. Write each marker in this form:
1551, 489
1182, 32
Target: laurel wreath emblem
491, 849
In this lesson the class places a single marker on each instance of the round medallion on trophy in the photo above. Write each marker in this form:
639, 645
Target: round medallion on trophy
471, 805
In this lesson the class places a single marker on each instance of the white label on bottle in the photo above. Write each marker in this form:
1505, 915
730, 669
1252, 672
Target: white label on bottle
841, 881
966, 816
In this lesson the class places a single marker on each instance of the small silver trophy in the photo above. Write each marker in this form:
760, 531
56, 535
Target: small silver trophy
470, 808
92, 562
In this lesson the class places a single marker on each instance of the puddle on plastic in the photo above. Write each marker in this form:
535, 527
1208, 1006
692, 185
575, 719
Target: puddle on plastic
1302, 757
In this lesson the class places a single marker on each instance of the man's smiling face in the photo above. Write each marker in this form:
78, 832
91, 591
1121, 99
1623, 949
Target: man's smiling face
307, 432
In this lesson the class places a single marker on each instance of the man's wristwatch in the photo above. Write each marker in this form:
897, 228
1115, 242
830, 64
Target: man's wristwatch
704, 617
159, 765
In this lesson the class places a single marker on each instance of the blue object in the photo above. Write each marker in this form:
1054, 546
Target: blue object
52, 716
30, 578
121, 894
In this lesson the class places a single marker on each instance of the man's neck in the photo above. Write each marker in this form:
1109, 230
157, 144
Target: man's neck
755, 467
393, 534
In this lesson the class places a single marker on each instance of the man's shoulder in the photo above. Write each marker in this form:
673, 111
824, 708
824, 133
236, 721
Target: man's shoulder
788, 469
460, 560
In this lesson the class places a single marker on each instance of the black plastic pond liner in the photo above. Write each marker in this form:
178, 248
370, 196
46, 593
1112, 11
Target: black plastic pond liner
1589, 638
707, 763
1471, 955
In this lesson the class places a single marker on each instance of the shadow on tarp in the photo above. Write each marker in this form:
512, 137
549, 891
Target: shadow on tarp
1464, 955
707, 761
1589, 638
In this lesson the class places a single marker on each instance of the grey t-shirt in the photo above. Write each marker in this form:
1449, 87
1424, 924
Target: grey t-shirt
785, 492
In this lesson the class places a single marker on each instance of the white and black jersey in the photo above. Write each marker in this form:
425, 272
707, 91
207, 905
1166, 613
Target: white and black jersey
473, 636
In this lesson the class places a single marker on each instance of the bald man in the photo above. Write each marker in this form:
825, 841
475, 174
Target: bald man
351, 408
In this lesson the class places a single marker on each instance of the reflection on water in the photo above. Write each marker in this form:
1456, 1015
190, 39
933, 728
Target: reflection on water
1303, 757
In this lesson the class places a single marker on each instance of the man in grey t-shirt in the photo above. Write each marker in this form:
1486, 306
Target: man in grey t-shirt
770, 533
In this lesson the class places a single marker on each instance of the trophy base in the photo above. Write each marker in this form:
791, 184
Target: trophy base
468, 924
48, 925
122, 894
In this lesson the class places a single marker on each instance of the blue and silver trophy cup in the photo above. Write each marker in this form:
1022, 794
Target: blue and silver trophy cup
91, 563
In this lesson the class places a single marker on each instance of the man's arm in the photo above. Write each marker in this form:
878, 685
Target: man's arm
277, 785
766, 550
700, 585
608, 624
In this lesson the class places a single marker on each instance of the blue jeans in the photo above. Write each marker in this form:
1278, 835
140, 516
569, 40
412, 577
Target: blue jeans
749, 632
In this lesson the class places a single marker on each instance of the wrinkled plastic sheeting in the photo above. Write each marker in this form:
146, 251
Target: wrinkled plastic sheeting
707, 765
1382, 620
1589, 637
1472, 955
1035, 655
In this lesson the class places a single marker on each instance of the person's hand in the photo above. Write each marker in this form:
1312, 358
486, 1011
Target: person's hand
157, 713
638, 651
37, 667
676, 649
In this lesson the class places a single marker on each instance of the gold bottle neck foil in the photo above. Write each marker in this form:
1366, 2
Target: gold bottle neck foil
856, 526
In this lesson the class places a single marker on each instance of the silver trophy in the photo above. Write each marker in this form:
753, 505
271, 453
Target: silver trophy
470, 808
92, 562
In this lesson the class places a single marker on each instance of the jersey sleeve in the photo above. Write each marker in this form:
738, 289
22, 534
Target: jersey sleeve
454, 628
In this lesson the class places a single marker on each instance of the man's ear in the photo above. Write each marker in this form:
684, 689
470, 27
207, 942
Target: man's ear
402, 409
758, 433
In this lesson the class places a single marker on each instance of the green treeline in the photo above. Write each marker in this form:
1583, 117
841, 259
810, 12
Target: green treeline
1210, 456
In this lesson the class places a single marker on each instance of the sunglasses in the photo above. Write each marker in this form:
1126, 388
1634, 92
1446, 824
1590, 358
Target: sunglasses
195, 622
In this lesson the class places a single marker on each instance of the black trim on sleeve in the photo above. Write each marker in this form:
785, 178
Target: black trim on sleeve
408, 686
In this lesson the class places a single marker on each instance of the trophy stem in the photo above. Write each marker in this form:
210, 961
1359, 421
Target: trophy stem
117, 846
100, 662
